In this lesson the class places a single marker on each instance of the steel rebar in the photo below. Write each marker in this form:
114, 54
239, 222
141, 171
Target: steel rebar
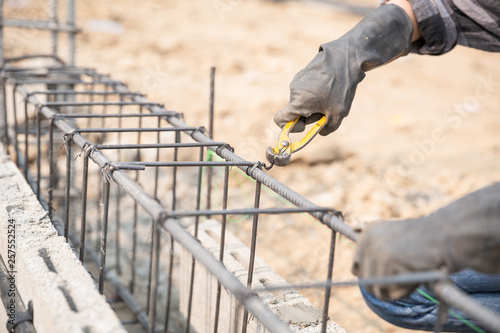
171, 261
459, 299
104, 234
222, 245
83, 223
54, 21
328, 289
51, 169
253, 246
211, 133
70, 4
67, 145
38, 24
196, 225
154, 273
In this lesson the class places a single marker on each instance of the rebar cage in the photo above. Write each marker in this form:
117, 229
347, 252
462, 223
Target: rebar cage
133, 180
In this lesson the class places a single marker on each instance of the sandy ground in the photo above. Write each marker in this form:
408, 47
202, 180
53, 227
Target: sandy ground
422, 131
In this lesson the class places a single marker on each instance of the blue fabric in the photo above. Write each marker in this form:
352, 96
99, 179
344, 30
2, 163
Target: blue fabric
420, 313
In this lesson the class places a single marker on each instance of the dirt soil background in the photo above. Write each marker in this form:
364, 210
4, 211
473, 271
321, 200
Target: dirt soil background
422, 131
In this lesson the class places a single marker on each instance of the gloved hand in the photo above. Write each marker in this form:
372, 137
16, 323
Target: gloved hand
328, 83
464, 234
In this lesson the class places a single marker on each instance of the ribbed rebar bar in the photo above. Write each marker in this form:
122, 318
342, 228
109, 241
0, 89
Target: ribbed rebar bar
459, 299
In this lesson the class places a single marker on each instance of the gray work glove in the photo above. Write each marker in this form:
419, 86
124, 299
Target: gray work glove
464, 234
328, 83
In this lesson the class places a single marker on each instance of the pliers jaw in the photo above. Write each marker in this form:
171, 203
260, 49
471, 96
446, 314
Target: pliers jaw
282, 153
277, 159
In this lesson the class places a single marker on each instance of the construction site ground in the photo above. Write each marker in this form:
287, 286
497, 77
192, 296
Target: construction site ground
422, 131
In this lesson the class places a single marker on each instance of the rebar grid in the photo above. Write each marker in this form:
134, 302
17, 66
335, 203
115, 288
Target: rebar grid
52, 23
35, 112
39, 116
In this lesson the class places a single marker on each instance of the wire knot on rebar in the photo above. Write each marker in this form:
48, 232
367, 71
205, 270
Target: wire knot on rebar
227, 146
86, 146
107, 171
68, 138
200, 129
257, 165
337, 213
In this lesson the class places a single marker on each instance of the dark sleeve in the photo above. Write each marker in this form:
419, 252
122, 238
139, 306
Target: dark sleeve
446, 23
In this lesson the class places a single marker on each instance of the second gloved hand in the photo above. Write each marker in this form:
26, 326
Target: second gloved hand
464, 234
328, 84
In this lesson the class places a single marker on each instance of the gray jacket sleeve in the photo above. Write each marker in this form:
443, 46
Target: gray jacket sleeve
446, 23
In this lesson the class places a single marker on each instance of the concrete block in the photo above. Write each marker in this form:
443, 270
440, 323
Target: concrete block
289, 305
64, 295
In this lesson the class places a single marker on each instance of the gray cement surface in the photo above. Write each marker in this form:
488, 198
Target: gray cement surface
47, 272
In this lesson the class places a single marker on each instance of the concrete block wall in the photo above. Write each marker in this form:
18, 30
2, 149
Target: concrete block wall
48, 273
289, 305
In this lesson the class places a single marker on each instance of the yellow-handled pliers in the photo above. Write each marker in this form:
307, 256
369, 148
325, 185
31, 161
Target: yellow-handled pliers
281, 154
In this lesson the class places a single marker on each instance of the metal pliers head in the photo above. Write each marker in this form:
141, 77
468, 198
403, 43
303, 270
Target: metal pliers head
282, 153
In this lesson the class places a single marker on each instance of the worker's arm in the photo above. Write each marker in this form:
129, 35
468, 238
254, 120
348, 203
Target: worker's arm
328, 83
443, 24
464, 234
406, 6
